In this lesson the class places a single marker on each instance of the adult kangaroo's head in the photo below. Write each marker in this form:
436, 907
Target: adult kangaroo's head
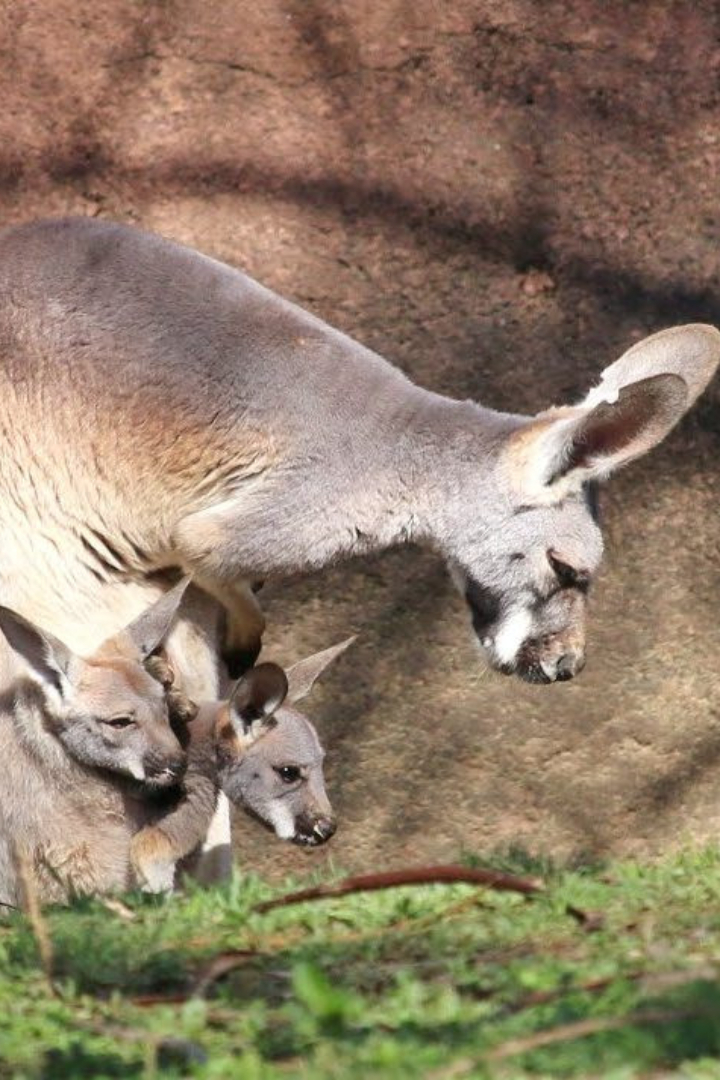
526, 562
105, 710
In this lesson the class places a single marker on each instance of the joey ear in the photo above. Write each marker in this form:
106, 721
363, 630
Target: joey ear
558, 452
692, 352
150, 629
303, 675
47, 656
258, 694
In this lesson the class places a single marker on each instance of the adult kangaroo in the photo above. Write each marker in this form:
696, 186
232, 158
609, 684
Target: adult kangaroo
159, 408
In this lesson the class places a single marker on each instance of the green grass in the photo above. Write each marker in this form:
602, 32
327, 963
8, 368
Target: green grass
438, 982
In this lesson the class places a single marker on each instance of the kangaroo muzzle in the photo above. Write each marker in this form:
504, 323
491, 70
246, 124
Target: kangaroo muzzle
312, 831
541, 642
536, 663
164, 769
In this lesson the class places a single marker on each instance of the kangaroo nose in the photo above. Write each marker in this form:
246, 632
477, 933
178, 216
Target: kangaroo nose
168, 773
324, 828
569, 665
312, 831
165, 756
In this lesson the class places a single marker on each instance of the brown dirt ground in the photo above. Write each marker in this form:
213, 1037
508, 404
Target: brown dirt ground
499, 196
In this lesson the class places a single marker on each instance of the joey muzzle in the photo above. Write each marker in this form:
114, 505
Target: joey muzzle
164, 770
312, 831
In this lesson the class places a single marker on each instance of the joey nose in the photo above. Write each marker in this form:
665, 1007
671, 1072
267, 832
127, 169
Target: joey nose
324, 828
166, 769
167, 776
313, 831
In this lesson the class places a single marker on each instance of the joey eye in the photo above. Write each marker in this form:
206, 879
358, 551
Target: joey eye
119, 721
289, 774
568, 576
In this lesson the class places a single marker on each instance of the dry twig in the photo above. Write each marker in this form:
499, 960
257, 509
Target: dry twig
416, 875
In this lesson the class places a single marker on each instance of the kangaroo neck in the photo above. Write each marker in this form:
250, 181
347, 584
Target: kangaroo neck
374, 487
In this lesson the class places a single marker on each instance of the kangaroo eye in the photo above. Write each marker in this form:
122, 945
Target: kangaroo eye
119, 721
288, 773
568, 576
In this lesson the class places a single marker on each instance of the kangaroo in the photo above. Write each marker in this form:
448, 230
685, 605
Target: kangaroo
263, 754
161, 409
87, 751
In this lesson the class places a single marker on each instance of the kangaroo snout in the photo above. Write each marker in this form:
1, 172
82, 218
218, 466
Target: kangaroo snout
164, 769
312, 831
566, 667
549, 661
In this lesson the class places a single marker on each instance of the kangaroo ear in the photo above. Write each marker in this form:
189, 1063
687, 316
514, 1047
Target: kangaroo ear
257, 695
150, 629
303, 675
48, 658
639, 401
558, 452
692, 352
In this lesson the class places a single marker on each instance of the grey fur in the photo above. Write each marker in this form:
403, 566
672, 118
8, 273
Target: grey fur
87, 748
181, 414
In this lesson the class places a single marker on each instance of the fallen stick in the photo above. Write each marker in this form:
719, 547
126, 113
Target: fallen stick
416, 875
